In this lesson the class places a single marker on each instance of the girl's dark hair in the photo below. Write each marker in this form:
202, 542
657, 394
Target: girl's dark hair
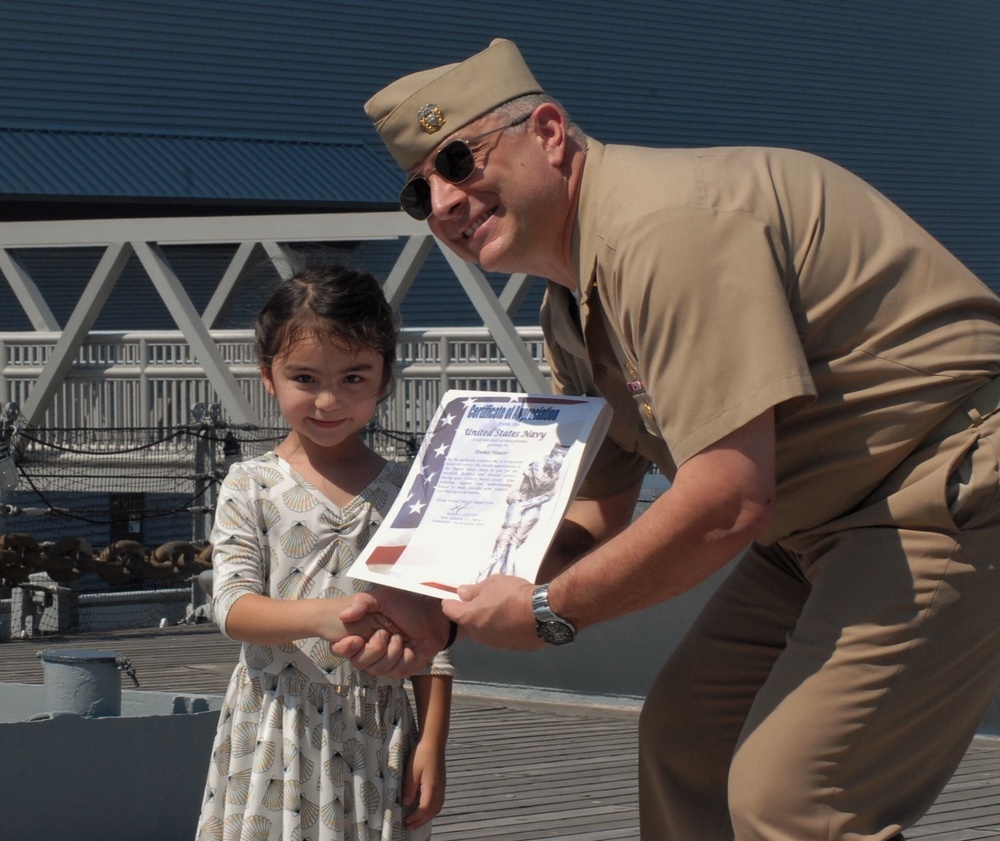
334, 303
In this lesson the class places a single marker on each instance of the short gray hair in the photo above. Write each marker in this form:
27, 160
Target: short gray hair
522, 106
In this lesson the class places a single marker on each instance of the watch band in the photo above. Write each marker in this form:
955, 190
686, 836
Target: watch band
549, 625
541, 608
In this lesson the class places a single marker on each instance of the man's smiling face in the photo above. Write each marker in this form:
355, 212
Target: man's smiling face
494, 217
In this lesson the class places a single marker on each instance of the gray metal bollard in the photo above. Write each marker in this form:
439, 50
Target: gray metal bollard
84, 682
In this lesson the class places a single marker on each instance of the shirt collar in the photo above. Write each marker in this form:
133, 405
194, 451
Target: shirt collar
584, 239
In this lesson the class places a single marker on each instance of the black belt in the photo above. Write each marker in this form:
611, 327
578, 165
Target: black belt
976, 408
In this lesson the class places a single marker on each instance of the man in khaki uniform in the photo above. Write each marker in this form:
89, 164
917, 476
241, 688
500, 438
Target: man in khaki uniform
816, 376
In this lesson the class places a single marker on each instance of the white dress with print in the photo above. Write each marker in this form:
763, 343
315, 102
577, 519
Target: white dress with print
307, 749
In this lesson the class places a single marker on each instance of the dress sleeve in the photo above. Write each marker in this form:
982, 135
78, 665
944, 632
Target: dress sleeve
239, 559
440, 665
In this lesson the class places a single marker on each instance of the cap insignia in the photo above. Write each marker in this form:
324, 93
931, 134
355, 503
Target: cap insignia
430, 118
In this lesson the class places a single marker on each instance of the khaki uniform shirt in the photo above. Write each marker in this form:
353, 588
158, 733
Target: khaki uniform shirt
717, 283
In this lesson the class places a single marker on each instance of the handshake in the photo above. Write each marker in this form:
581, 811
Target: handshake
392, 633
395, 633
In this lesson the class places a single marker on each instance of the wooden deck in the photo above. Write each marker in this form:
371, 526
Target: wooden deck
517, 771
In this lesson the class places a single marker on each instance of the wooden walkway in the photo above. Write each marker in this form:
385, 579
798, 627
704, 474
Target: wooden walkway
517, 771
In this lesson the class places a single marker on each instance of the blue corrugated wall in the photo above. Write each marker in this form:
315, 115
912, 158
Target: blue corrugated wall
905, 94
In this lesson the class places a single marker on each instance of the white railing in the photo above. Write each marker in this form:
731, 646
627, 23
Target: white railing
137, 379
152, 379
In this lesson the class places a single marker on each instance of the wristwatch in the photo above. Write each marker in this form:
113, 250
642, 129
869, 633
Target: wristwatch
552, 628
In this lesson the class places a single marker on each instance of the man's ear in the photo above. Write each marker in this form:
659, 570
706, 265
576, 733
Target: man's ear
266, 376
552, 131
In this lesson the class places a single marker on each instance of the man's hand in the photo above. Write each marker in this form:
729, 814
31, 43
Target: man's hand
496, 612
419, 628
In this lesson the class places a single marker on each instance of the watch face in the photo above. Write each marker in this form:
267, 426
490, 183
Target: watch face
555, 633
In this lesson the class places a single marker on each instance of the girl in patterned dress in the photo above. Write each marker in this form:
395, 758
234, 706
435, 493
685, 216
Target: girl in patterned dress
308, 748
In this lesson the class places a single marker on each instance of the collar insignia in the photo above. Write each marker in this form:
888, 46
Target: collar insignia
430, 118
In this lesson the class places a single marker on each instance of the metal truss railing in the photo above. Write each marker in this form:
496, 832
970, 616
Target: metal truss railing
46, 371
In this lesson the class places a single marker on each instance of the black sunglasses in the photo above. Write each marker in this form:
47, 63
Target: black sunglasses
455, 162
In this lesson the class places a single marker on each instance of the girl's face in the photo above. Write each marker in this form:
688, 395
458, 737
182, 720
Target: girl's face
326, 392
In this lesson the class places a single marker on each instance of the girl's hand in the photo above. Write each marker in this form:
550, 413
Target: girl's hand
424, 785
333, 628
370, 624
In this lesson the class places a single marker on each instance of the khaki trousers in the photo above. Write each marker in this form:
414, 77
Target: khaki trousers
833, 683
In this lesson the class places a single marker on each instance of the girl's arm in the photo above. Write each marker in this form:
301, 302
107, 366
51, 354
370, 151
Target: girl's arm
425, 771
257, 618
242, 610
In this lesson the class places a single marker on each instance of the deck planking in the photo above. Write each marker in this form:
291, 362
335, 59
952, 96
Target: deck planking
517, 771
